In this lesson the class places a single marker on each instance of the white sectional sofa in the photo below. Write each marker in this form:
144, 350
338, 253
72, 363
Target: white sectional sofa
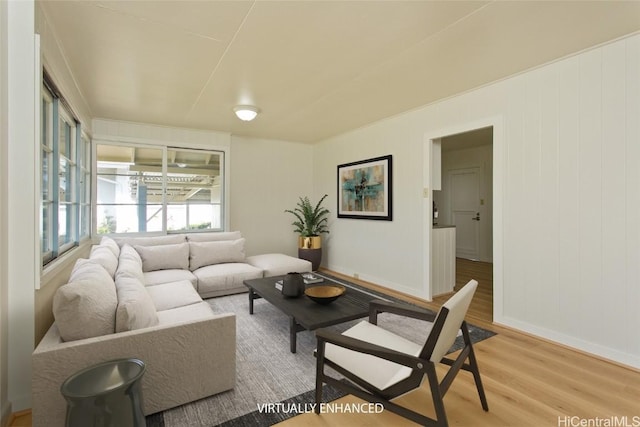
142, 298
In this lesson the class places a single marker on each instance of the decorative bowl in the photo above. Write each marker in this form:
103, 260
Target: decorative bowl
324, 294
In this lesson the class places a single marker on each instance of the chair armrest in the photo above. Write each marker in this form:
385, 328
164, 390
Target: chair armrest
325, 335
380, 306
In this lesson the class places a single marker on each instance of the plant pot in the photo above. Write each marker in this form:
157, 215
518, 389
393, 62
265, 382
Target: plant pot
314, 256
312, 242
310, 248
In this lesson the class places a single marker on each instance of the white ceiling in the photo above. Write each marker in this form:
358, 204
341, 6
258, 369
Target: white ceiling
314, 68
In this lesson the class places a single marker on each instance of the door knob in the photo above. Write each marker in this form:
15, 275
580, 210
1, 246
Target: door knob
477, 217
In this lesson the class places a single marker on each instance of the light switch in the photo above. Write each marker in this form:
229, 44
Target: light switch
425, 193
481, 202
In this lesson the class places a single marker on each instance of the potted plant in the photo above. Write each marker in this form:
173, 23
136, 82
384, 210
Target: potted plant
310, 223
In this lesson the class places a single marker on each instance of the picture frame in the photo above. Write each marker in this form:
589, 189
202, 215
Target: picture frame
365, 189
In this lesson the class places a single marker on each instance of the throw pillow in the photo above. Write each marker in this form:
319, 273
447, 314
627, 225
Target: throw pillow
135, 306
85, 309
90, 270
130, 264
171, 239
129, 253
209, 253
214, 237
111, 244
105, 257
164, 257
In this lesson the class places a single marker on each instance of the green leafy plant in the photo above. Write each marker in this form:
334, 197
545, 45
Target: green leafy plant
310, 221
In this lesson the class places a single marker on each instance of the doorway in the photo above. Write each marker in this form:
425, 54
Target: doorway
464, 198
464, 195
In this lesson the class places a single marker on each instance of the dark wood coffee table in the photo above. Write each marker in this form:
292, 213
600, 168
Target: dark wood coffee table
304, 314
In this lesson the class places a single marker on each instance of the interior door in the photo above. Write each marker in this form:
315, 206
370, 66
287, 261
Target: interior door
465, 211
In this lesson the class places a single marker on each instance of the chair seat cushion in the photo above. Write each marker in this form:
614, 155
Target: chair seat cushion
380, 373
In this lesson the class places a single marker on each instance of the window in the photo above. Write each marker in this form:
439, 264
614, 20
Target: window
84, 178
46, 159
65, 158
157, 189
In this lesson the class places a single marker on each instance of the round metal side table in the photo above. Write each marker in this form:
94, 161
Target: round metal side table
105, 395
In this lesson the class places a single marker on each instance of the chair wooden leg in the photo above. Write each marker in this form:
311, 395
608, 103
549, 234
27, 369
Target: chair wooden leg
475, 370
438, 404
319, 374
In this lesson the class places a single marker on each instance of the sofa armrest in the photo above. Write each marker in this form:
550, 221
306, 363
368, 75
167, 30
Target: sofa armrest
184, 362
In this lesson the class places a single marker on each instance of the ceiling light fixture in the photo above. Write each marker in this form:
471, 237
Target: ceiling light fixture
246, 113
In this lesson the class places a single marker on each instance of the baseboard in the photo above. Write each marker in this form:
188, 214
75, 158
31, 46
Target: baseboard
417, 293
606, 354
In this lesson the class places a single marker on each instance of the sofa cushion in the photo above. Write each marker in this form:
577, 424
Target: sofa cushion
90, 270
171, 239
209, 253
105, 257
189, 313
158, 277
279, 264
111, 244
174, 294
135, 306
84, 309
214, 236
222, 279
164, 257
129, 264
127, 252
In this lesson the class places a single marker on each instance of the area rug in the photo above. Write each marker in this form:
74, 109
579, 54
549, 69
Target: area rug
270, 376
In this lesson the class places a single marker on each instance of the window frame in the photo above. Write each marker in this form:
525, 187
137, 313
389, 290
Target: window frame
58, 125
165, 147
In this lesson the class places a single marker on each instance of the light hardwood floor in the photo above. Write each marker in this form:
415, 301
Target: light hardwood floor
528, 381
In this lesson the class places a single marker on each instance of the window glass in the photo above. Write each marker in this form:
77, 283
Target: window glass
194, 194
150, 189
46, 155
129, 189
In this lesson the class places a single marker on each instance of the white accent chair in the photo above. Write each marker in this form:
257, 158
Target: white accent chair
381, 365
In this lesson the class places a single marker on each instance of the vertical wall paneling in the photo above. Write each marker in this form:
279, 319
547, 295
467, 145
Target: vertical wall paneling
567, 194
547, 209
590, 189
631, 166
515, 201
568, 206
531, 190
613, 153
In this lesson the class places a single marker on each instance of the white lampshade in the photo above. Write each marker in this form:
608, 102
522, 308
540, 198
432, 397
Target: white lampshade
246, 112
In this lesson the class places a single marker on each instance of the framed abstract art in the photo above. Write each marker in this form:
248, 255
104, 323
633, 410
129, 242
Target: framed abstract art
364, 189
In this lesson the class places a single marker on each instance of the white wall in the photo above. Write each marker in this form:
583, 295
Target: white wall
267, 177
5, 406
568, 163
21, 209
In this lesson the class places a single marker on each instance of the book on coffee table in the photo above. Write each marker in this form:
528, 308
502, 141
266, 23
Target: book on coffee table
310, 278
